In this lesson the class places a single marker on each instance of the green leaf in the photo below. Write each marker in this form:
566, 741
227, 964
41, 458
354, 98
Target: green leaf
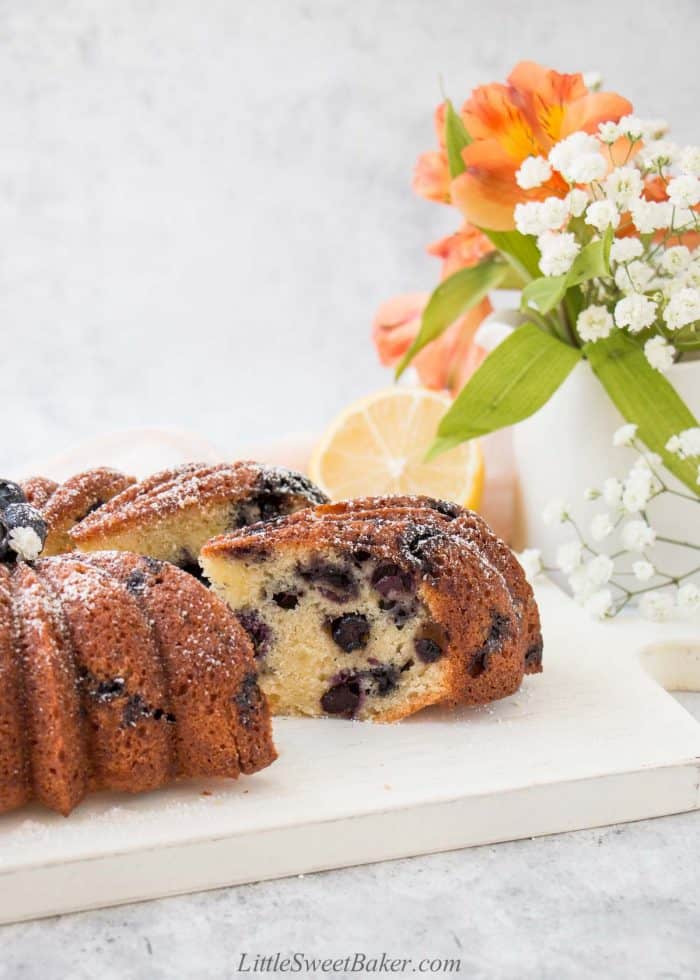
520, 250
452, 298
593, 261
644, 396
456, 138
515, 380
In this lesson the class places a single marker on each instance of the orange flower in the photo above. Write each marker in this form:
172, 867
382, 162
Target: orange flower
508, 123
447, 362
431, 178
461, 250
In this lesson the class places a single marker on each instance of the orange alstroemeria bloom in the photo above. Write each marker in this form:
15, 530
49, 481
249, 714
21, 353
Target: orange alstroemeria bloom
447, 362
537, 108
464, 248
431, 178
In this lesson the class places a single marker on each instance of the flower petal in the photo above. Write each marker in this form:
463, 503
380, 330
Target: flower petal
431, 178
596, 107
461, 250
486, 193
490, 113
542, 95
396, 323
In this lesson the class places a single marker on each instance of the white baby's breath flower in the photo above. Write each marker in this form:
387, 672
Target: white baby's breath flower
531, 561
609, 132
533, 172
528, 218
594, 323
659, 353
623, 185
587, 168
681, 218
636, 312
675, 259
625, 435
637, 536
688, 597
555, 511
657, 606
690, 161
592, 80
569, 556
564, 153
599, 604
684, 191
554, 213
577, 200
683, 308
601, 527
626, 249
686, 444
633, 127
643, 570
659, 153
640, 486
558, 252
599, 570
602, 215
612, 490
634, 277
650, 216
654, 129
590, 493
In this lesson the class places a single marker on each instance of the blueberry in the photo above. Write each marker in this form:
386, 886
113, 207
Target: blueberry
334, 582
343, 698
257, 629
383, 679
350, 631
11, 493
22, 532
427, 650
533, 657
498, 631
388, 579
286, 599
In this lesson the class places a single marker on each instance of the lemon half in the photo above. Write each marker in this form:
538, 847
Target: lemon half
378, 444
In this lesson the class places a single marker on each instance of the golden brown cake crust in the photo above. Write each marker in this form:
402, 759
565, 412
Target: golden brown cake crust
120, 673
38, 489
73, 500
469, 584
194, 486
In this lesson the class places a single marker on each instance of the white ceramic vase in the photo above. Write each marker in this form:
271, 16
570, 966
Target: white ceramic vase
567, 446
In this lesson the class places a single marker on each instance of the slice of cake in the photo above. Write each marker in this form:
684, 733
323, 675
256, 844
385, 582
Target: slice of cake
375, 608
171, 514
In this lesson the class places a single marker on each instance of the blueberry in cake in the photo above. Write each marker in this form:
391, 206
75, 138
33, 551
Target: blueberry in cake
120, 672
171, 514
375, 608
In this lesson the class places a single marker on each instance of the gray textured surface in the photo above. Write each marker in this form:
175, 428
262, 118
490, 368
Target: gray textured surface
202, 203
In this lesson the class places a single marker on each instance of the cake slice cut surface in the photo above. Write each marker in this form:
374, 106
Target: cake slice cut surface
376, 608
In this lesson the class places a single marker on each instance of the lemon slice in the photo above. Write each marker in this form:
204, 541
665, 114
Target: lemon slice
378, 446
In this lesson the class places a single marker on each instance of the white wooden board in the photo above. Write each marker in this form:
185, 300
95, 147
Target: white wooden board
593, 740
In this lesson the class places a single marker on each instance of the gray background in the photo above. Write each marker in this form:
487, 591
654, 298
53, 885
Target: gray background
202, 203
201, 206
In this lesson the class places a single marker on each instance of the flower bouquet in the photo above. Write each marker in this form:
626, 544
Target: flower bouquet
593, 215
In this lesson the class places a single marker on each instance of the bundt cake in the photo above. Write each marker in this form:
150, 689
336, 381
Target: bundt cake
377, 607
171, 514
120, 672
63, 505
